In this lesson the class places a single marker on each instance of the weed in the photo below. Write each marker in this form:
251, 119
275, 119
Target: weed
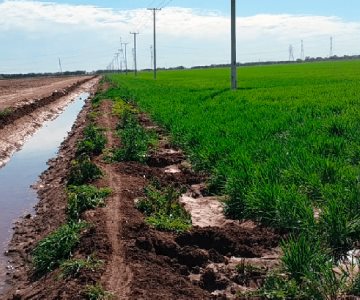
5, 113
338, 228
94, 141
72, 267
134, 139
56, 247
84, 197
163, 210
97, 292
83, 171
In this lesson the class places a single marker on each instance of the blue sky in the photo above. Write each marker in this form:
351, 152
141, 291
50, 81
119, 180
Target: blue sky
85, 34
347, 9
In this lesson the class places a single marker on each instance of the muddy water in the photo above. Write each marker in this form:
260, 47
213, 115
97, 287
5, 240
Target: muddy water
16, 196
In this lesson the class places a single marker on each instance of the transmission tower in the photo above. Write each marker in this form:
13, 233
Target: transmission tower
302, 55
233, 46
291, 53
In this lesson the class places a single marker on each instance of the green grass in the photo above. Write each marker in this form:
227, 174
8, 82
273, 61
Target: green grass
285, 144
50, 252
84, 197
162, 209
286, 141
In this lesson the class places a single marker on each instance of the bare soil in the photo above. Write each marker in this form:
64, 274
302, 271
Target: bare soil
17, 92
27, 116
139, 261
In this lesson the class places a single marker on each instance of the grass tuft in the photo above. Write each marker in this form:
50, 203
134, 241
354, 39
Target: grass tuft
57, 247
83, 171
84, 197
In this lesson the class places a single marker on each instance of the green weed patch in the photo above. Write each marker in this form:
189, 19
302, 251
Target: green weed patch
84, 197
93, 142
162, 209
50, 252
83, 171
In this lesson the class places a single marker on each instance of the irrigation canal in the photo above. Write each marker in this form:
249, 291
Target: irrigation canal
17, 198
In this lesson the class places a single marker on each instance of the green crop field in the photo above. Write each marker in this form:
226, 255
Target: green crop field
284, 147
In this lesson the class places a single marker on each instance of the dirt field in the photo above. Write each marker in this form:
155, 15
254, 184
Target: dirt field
27, 115
139, 261
13, 92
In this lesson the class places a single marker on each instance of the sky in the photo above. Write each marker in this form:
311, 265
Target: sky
85, 35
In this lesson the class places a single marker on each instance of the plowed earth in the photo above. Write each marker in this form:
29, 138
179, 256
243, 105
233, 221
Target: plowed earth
140, 262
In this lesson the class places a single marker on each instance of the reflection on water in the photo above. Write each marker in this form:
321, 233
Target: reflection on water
23, 170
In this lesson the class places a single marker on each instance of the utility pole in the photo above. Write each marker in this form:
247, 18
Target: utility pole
233, 46
154, 15
135, 62
152, 57
331, 47
60, 66
302, 55
126, 66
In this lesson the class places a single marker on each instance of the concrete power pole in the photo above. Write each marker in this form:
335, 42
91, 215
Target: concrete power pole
154, 14
233, 46
331, 47
60, 67
126, 66
135, 61
302, 55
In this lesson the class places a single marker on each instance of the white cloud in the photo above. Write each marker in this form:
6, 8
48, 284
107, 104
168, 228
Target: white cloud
194, 36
